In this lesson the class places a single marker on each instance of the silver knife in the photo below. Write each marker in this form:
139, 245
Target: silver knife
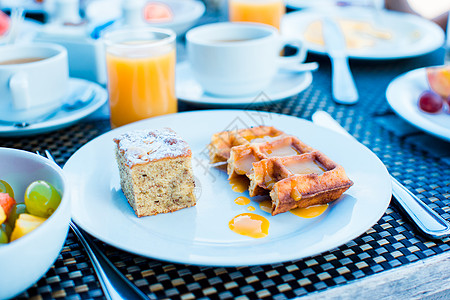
426, 220
343, 85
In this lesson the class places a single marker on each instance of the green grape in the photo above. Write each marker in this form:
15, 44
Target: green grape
3, 237
41, 199
16, 210
6, 188
7, 228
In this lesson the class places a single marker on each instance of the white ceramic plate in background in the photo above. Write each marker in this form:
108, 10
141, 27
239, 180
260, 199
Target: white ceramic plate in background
200, 235
403, 94
411, 35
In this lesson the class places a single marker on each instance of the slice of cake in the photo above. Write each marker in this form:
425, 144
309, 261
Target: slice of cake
155, 171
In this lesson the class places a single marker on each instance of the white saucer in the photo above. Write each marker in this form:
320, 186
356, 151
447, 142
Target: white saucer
62, 118
284, 85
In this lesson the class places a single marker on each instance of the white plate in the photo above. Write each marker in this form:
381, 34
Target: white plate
284, 85
200, 235
62, 118
411, 35
403, 94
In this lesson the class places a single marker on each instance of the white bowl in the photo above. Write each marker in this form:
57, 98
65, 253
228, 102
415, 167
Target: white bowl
26, 260
186, 13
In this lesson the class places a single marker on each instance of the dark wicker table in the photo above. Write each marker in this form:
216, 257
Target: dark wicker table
386, 261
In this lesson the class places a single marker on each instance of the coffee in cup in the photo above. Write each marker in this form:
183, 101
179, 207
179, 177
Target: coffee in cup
237, 59
34, 79
17, 61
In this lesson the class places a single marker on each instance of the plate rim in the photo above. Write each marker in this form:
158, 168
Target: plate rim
205, 262
429, 47
426, 125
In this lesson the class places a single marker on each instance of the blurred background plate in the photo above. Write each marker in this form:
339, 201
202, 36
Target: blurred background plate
375, 34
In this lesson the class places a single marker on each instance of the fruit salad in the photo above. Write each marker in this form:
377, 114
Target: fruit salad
17, 219
437, 98
4, 23
157, 12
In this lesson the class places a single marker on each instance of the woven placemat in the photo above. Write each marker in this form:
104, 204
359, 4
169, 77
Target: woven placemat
391, 243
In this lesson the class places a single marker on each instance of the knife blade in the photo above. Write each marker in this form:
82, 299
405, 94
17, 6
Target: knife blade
343, 85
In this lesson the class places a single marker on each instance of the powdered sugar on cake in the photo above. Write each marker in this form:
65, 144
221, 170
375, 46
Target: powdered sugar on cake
142, 146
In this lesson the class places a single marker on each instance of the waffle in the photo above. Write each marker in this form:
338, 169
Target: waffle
298, 181
291, 172
222, 142
242, 157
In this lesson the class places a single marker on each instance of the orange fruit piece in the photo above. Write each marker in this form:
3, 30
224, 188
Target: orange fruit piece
25, 224
439, 80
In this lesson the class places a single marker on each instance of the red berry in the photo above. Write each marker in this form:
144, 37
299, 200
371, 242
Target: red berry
430, 102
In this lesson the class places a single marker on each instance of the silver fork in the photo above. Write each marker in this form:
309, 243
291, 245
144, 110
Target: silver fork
113, 283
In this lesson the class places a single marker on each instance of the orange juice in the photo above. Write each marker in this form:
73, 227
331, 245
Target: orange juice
261, 11
140, 65
140, 88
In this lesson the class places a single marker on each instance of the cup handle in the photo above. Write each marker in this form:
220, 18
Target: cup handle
18, 84
297, 58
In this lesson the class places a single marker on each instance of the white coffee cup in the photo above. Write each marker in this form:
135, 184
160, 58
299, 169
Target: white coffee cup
34, 80
237, 59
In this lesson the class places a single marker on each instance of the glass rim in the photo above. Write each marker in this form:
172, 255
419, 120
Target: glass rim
108, 41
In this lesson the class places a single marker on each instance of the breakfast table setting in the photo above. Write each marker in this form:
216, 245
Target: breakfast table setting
367, 87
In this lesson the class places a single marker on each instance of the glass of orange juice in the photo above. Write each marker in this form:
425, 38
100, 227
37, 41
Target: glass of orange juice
267, 12
141, 73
